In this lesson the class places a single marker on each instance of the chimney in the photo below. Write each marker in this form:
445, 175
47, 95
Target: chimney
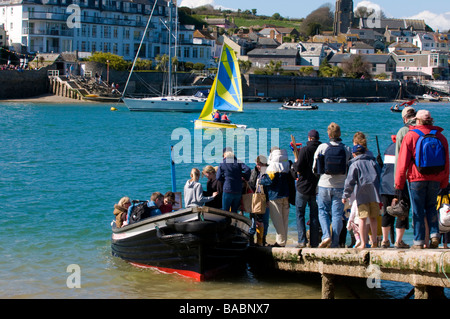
272, 34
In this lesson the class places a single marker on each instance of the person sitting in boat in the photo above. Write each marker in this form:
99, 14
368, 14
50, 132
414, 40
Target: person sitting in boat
141, 210
193, 191
169, 200
225, 118
216, 116
120, 210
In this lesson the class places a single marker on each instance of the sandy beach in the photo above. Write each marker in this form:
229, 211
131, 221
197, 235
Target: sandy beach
46, 98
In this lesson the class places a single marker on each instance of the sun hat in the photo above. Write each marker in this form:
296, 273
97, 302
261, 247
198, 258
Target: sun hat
423, 115
406, 110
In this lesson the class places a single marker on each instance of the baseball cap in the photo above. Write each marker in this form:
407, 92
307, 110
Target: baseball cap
358, 149
313, 133
406, 110
423, 115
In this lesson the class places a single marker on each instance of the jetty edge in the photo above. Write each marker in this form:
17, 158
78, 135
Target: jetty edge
427, 270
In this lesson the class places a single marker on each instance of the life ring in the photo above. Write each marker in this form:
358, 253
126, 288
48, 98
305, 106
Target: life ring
297, 146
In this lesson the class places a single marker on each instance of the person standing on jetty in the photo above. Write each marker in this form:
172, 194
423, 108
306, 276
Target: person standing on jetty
306, 191
276, 180
425, 178
388, 195
363, 178
330, 162
231, 172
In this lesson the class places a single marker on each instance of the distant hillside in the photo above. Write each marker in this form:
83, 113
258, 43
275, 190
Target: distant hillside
246, 18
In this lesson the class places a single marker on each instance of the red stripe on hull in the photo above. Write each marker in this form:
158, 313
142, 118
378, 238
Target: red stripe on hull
184, 273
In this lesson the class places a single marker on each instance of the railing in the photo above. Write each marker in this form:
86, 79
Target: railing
52, 73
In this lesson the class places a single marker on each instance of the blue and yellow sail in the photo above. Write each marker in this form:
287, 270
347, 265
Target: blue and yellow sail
226, 91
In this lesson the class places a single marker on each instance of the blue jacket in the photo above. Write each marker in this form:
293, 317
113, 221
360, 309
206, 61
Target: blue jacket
230, 174
277, 185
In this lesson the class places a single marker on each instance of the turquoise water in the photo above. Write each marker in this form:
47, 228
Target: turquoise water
63, 167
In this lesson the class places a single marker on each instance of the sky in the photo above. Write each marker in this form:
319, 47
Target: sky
436, 13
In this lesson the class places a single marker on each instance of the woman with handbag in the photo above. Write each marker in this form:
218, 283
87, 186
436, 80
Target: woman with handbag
261, 220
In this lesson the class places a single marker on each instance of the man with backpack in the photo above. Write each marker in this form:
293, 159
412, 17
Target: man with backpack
423, 160
330, 162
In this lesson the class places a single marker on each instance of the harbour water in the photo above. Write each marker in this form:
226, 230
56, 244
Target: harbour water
63, 167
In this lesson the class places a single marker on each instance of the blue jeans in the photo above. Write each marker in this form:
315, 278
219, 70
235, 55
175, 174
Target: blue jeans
331, 212
231, 201
265, 220
423, 203
301, 200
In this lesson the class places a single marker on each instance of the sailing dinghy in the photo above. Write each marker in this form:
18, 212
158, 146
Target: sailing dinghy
225, 94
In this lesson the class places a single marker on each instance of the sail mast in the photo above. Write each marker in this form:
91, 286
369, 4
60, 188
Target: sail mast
169, 88
139, 49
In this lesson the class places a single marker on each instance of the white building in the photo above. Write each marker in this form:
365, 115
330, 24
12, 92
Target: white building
196, 46
114, 26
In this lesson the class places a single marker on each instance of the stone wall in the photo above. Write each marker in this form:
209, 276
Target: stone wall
28, 83
292, 87
14, 84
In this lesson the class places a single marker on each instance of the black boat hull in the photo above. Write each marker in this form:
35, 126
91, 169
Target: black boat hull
196, 242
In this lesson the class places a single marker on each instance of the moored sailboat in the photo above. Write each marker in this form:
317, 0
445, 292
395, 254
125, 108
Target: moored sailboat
225, 94
168, 101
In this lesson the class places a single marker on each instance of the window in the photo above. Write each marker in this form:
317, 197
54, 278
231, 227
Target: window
195, 53
411, 59
186, 52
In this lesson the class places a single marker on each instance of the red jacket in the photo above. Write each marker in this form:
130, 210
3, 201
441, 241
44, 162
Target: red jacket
406, 169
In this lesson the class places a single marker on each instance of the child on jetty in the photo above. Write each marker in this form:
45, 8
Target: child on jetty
363, 178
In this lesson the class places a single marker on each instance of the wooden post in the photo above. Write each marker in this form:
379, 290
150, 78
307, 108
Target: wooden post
327, 286
295, 147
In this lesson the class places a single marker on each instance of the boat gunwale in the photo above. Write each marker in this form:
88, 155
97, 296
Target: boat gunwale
180, 213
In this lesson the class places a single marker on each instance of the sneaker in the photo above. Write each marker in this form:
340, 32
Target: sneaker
325, 243
401, 244
385, 244
417, 247
434, 242
300, 245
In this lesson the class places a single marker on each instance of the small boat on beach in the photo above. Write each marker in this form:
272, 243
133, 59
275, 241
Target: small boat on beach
327, 101
431, 98
197, 242
341, 100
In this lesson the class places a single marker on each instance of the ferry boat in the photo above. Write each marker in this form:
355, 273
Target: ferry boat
197, 242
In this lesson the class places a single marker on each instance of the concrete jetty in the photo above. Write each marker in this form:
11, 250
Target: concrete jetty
427, 269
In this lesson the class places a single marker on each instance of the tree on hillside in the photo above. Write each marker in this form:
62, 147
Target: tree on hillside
357, 68
321, 18
277, 16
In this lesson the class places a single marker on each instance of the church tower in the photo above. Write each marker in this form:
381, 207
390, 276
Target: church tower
343, 16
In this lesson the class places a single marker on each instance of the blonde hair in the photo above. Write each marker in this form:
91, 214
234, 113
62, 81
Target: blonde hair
334, 130
209, 169
360, 138
228, 154
124, 200
195, 174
